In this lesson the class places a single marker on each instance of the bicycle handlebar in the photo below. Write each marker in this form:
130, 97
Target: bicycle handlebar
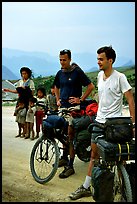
56, 112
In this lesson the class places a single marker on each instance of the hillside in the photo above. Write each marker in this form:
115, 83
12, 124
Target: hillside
8, 74
128, 71
44, 64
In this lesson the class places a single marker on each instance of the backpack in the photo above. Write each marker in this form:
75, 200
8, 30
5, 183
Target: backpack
102, 184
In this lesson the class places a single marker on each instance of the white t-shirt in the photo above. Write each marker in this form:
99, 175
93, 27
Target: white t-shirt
30, 83
110, 92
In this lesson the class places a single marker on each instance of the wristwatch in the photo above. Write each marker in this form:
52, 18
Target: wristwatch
80, 100
133, 125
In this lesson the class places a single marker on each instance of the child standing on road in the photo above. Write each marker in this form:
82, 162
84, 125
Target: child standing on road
51, 99
40, 113
30, 118
20, 111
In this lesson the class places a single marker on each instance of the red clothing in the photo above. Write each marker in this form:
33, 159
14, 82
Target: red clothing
39, 117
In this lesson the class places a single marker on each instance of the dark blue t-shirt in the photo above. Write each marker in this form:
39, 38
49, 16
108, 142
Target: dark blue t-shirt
70, 84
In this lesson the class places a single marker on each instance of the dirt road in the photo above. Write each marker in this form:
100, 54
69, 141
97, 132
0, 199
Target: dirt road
18, 184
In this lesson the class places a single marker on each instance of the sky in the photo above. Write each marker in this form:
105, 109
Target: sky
78, 26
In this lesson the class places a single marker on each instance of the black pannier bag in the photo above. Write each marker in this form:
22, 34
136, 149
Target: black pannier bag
82, 145
83, 122
118, 129
83, 135
116, 152
102, 184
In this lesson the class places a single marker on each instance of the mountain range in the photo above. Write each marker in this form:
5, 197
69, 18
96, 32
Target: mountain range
43, 64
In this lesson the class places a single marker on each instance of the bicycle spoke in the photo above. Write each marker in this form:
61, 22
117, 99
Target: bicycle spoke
44, 160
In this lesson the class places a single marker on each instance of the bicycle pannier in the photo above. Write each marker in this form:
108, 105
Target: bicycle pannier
54, 121
83, 135
83, 122
116, 152
118, 129
102, 184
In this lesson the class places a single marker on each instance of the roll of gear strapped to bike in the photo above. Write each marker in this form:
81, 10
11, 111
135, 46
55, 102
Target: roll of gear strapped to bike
116, 152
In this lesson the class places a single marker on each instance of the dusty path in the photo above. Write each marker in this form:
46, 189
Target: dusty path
17, 183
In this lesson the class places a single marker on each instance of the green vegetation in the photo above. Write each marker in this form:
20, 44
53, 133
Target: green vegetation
128, 71
45, 82
8, 103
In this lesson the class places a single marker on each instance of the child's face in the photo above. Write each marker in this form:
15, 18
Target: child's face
52, 91
21, 104
40, 94
24, 75
31, 103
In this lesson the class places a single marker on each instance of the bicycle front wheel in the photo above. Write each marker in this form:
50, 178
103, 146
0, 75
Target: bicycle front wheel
44, 160
122, 188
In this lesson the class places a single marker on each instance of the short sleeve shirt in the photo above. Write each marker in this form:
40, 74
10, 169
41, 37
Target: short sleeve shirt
30, 84
70, 84
110, 93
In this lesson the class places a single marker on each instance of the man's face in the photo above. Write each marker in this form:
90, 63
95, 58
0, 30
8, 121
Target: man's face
103, 62
64, 61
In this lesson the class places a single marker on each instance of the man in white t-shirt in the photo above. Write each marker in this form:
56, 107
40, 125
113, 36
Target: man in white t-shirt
112, 86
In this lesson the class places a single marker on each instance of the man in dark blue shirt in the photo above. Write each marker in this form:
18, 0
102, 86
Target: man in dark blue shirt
68, 89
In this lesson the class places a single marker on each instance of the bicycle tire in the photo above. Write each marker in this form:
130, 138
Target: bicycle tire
44, 160
122, 187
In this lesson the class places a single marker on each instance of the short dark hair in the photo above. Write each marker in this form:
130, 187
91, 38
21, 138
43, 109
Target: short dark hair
42, 89
33, 99
66, 51
109, 51
26, 69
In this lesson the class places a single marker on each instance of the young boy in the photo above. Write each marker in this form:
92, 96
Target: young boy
30, 118
40, 113
20, 111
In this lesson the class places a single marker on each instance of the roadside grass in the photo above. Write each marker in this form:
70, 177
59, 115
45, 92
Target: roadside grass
9, 103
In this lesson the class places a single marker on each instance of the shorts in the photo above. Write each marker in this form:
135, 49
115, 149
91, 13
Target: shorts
96, 135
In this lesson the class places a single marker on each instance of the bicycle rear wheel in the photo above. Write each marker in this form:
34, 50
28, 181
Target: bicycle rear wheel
44, 160
122, 188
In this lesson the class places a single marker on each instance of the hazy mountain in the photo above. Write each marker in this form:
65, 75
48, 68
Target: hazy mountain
41, 63
8, 74
129, 63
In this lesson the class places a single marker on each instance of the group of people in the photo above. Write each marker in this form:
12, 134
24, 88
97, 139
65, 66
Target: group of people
112, 86
30, 106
